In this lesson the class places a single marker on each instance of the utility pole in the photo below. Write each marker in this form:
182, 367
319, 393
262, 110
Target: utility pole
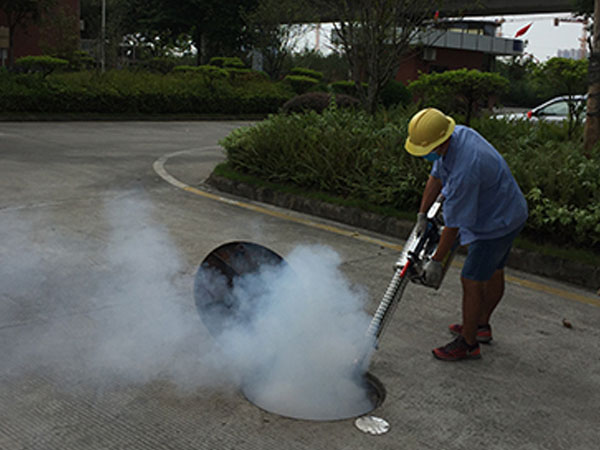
103, 38
592, 122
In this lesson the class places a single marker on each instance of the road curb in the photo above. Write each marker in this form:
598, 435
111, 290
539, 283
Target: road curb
580, 274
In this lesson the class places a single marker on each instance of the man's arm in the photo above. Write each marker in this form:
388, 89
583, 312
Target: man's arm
445, 245
432, 190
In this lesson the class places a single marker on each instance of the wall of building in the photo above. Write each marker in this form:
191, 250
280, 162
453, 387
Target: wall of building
27, 40
445, 59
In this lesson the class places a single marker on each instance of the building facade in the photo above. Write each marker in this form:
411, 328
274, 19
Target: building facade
27, 39
456, 45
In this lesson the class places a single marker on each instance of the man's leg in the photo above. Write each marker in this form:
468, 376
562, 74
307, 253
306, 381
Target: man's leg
466, 345
485, 261
493, 291
473, 301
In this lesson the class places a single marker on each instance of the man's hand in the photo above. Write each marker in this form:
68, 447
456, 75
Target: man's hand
432, 273
421, 225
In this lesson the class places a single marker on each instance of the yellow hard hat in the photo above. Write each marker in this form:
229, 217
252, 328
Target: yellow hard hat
426, 130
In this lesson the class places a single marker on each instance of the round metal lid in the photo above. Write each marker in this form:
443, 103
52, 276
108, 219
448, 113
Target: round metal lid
372, 425
216, 278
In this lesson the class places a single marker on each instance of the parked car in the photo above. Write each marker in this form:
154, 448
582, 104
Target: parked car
554, 110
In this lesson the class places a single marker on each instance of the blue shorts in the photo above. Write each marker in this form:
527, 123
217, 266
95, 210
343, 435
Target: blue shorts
486, 256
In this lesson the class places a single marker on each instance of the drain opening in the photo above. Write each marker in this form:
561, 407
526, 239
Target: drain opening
318, 403
315, 382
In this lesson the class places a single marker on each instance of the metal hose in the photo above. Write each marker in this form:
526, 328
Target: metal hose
388, 302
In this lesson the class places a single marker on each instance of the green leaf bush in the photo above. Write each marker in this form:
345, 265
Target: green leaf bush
395, 93
227, 62
160, 64
344, 152
305, 72
44, 65
299, 83
200, 91
345, 87
462, 91
350, 154
209, 74
318, 102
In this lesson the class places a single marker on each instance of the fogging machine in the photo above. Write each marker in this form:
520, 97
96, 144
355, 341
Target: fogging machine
419, 248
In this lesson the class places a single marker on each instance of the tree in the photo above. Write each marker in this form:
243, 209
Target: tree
274, 31
462, 91
59, 33
375, 35
523, 89
584, 8
19, 14
216, 27
591, 135
591, 9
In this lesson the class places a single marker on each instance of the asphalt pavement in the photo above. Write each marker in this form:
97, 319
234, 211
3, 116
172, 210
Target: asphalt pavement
102, 228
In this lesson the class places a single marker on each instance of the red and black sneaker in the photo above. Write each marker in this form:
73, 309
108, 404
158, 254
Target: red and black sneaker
484, 332
456, 350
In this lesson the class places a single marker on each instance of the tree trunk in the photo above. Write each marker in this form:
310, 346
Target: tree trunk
592, 123
11, 46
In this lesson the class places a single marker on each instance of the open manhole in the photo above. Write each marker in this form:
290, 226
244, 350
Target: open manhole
303, 391
322, 402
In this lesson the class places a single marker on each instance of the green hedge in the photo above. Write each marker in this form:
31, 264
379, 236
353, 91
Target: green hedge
139, 92
305, 72
44, 65
318, 102
227, 62
342, 152
300, 84
350, 154
345, 87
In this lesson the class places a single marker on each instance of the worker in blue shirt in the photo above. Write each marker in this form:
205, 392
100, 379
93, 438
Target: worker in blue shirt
483, 207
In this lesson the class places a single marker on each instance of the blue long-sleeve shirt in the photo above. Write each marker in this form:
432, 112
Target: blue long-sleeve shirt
483, 199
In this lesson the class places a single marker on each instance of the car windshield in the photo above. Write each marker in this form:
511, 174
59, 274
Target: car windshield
560, 108
555, 109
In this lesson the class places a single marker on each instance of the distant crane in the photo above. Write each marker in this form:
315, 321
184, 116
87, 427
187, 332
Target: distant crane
583, 40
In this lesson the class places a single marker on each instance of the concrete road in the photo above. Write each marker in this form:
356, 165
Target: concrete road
102, 227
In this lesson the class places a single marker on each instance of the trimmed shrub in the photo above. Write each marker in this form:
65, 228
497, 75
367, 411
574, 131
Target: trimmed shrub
345, 87
304, 72
395, 93
300, 84
207, 72
160, 65
123, 91
80, 60
243, 75
41, 64
185, 69
227, 62
318, 102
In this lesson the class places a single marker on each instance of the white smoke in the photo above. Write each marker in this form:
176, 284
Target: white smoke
296, 355
119, 310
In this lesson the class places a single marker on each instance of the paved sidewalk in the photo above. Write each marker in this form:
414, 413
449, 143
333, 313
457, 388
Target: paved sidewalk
102, 347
